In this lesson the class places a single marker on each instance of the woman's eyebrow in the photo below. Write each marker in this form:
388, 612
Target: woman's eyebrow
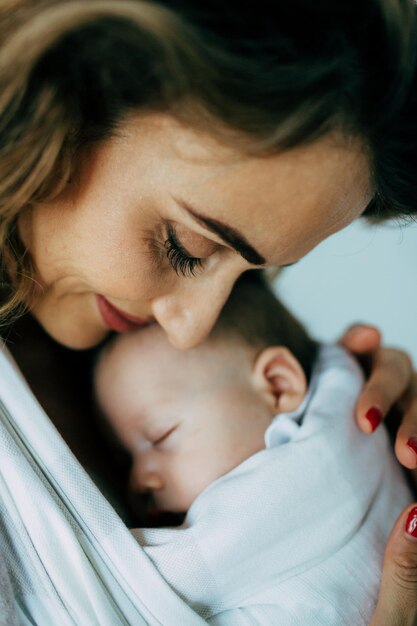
229, 235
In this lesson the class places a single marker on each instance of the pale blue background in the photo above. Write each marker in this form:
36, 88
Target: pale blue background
364, 273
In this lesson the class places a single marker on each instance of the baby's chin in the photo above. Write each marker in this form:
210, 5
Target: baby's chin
163, 519
145, 513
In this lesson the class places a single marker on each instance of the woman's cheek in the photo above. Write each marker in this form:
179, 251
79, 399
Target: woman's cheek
134, 277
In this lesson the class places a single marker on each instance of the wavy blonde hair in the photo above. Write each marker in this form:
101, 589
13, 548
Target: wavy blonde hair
71, 70
40, 130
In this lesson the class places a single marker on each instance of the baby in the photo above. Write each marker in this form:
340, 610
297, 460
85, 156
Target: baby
252, 435
188, 417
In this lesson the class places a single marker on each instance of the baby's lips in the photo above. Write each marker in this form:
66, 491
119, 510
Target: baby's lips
139, 504
147, 514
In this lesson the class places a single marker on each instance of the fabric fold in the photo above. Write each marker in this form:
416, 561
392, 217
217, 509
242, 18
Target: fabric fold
68, 556
288, 513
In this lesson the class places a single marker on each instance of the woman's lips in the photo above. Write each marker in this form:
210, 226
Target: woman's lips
118, 320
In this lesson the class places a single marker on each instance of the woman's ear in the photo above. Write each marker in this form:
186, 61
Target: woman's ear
280, 378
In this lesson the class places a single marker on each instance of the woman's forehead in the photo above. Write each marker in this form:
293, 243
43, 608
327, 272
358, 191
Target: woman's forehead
282, 204
287, 203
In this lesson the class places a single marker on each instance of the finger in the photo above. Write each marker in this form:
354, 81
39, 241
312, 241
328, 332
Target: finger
390, 378
397, 602
406, 440
361, 338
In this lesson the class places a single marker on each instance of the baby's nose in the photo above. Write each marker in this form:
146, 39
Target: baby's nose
142, 480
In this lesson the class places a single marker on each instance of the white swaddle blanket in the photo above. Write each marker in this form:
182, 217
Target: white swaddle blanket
69, 558
294, 535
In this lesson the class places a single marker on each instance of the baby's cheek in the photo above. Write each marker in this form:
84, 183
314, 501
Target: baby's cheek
190, 477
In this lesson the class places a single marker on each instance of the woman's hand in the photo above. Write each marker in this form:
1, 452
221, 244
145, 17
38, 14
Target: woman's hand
391, 382
397, 602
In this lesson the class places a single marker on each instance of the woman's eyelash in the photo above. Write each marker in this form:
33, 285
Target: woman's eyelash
182, 263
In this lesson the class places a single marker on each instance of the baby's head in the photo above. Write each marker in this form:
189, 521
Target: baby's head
188, 417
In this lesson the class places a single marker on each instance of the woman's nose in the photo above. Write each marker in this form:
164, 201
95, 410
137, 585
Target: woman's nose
188, 313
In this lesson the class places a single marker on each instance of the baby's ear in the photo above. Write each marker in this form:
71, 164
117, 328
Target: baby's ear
280, 378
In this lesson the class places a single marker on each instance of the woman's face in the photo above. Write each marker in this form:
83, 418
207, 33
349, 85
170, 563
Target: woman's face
162, 220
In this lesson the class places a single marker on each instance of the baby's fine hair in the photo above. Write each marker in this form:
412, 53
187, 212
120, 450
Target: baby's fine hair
253, 313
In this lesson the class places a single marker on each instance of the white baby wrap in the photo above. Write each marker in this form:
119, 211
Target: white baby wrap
294, 535
70, 559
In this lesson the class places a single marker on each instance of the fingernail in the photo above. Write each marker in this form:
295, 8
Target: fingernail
359, 327
411, 523
374, 417
412, 443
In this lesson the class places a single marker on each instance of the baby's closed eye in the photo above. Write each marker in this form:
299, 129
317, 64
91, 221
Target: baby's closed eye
160, 438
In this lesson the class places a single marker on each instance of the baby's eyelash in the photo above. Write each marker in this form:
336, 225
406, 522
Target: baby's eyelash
165, 436
182, 263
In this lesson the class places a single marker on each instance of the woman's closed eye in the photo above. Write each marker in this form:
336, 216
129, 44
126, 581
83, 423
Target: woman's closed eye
187, 250
182, 263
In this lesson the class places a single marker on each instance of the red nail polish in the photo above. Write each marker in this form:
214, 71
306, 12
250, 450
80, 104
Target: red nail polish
374, 417
412, 443
411, 523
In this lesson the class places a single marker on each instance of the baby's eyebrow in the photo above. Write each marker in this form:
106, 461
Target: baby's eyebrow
229, 235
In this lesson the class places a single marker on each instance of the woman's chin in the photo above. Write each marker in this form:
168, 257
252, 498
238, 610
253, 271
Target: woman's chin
72, 335
79, 342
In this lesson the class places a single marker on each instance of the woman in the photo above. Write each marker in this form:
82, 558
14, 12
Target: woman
151, 155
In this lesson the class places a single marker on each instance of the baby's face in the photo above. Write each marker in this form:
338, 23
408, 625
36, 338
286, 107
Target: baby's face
185, 417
